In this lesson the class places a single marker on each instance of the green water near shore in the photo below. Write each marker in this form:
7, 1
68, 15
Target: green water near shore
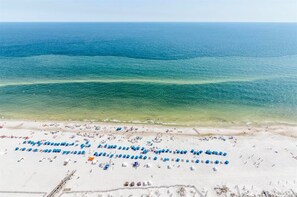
198, 91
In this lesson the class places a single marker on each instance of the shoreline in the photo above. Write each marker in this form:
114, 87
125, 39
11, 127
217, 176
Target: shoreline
285, 129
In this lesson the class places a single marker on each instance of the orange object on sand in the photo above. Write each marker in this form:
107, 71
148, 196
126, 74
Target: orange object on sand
91, 159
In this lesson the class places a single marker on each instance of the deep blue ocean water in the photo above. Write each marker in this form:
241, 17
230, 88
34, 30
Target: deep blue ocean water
183, 73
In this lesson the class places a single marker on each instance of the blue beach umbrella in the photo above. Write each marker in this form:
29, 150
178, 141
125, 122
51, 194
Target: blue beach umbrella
135, 164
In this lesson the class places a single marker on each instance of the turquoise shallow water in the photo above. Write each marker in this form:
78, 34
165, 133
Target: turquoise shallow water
140, 73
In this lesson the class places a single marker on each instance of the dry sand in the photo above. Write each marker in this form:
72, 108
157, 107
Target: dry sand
262, 160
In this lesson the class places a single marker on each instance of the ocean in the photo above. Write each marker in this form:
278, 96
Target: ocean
155, 73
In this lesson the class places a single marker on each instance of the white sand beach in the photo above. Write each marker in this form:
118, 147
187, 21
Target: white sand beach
91, 159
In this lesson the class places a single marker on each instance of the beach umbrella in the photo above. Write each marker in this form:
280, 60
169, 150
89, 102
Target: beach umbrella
197, 161
135, 164
207, 161
17, 148
226, 162
217, 162
106, 167
224, 154
90, 158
